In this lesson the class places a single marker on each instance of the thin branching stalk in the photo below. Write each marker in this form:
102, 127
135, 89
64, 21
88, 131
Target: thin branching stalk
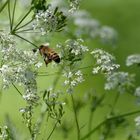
115, 102
16, 89
92, 113
30, 124
75, 116
109, 119
25, 30
40, 121
15, 28
52, 131
24, 24
26, 40
111, 112
4, 5
9, 13
13, 15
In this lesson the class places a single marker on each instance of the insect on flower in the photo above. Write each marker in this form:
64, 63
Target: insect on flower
48, 54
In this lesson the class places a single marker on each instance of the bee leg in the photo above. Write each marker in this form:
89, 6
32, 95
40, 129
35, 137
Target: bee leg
47, 61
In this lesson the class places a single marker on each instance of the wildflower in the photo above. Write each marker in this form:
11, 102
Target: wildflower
137, 91
74, 5
122, 81
133, 59
108, 35
137, 121
104, 62
50, 20
73, 79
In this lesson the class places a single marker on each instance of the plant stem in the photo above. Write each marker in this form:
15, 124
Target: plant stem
17, 89
115, 102
92, 112
24, 24
15, 28
24, 30
1, 9
30, 124
9, 13
13, 15
76, 119
90, 122
26, 40
52, 131
109, 119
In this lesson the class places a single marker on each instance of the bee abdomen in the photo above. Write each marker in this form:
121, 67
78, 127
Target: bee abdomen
56, 58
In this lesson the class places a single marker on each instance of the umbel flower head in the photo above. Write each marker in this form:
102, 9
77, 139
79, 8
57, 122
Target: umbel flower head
15, 63
72, 51
105, 62
133, 59
51, 20
122, 81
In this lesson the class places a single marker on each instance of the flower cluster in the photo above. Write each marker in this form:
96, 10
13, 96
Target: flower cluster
54, 107
108, 35
133, 59
72, 51
15, 63
137, 91
50, 20
74, 5
73, 79
137, 123
88, 27
122, 81
4, 134
137, 120
104, 62
85, 25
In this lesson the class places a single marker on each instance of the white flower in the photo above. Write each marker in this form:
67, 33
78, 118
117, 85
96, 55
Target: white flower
78, 73
104, 62
108, 35
66, 82
95, 70
133, 59
79, 79
68, 75
137, 91
73, 83
38, 65
137, 121
122, 81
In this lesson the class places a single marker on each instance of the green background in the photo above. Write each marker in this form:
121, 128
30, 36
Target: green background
124, 16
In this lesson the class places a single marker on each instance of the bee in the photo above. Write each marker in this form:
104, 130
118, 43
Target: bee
48, 54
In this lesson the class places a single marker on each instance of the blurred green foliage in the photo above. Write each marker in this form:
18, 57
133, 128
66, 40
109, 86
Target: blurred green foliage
124, 16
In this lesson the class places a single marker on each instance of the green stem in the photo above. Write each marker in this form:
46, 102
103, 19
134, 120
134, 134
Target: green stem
90, 122
30, 124
115, 102
25, 24
15, 28
92, 112
13, 15
17, 89
26, 40
76, 119
109, 119
1, 9
52, 131
9, 13
23, 30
